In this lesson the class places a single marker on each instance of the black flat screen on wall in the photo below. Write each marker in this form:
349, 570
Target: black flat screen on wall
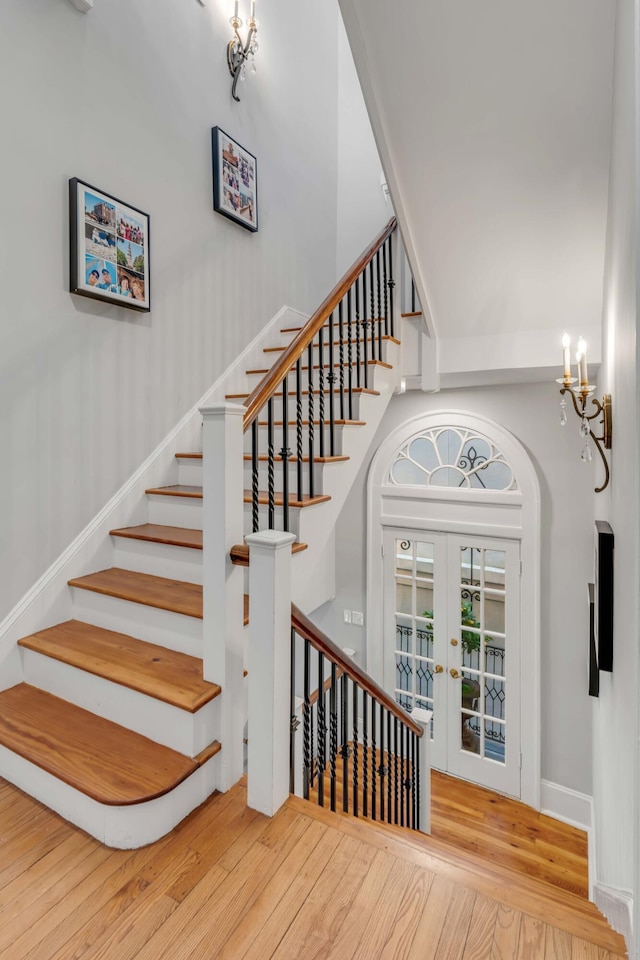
604, 595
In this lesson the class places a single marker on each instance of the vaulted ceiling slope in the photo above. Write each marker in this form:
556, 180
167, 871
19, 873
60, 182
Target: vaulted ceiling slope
492, 118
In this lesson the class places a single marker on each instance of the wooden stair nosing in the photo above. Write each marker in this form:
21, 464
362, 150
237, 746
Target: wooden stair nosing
189, 491
239, 553
159, 533
307, 501
316, 366
385, 336
166, 675
176, 596
336, 324
366, 391
412, 313
108, 763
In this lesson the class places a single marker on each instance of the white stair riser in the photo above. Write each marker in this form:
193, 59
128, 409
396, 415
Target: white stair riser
278, 440
188, 733
124, 828
190, 472
168, 629
271, 355
263, 474
158, 559
294, 519
175, 511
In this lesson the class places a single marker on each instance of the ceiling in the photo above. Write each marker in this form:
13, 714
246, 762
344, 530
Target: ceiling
492, 119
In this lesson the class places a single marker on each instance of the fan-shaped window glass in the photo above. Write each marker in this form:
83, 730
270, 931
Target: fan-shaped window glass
452, 457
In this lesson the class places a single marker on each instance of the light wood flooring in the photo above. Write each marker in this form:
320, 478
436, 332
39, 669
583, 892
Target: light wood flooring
308, 884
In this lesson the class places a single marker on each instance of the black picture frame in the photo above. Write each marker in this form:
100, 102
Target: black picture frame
235, 180
109, 248
604, 595
594, 674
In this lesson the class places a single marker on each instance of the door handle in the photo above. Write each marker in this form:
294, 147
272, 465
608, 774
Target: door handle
438, 668
454, 673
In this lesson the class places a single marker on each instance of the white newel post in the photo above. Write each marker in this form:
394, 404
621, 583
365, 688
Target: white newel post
423, 717
223, 582
269, 670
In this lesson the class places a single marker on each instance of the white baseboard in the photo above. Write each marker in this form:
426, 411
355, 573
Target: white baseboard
617, 906
566, 805
49, 599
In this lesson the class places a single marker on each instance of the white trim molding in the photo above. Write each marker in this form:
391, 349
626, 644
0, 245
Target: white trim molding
617, 906
507, 515
567, 805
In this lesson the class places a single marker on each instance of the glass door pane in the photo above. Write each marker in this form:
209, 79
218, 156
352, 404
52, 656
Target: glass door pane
414, 600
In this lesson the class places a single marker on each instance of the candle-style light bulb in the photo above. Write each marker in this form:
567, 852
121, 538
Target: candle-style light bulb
253, 9
566, 357
582, 363
235, 8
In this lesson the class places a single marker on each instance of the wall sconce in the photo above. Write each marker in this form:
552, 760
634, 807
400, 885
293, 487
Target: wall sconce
239, 51
579, 395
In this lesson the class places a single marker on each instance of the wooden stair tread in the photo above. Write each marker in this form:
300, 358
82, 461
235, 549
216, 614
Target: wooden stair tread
412, 313
239, 553
307, 501
336, 324
305, 423
316, 366
263, 458
159, 533
163, 674
551, 904
177, 596
101, 759
336, 343
305, 393
246, 609
177, 490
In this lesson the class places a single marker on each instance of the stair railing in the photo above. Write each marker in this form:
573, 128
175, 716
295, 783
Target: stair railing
361, 752
314, 381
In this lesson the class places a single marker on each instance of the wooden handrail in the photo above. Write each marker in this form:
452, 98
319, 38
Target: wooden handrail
320, 641
272, 380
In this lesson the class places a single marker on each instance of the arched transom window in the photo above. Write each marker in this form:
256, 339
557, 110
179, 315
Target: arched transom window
451, 457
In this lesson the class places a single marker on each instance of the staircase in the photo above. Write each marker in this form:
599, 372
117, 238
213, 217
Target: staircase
113, 725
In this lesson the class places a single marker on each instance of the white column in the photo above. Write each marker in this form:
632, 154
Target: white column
269, 670
423, 717
223, 582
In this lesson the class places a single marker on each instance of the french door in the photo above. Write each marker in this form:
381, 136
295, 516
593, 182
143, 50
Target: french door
452, 619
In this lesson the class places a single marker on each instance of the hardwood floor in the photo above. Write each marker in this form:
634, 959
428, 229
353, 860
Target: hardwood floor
229, 883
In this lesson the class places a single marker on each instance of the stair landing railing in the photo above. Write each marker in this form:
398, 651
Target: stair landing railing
310, 389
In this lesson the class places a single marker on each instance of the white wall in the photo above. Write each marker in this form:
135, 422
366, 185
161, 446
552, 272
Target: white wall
125, 98
615, 714
362, 209
531, 413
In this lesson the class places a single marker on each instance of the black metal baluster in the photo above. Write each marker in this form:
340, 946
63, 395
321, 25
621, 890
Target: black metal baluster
314, 720
395, 768
285, 453
255, 509
374, 774
333, 732
271, 486
417, 779
331, 377
381, 767
413, 296
355, 783
307, 751
365, 754
322, 731
321, 388
365, 325
402, 775
379, 307
392, 284
299, 448
311, 416
388, 765
350, 353
372, 297
341, 357
385, 289
409, 776
344, 716
358, 331
294, 721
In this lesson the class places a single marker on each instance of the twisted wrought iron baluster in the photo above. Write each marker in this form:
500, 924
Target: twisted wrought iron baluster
381, 767
372, 295
388, 767
395, 766
299, 448
322, 731
307, 750
341, 357
392, 284
331, 379
355, 783
271, 466
311, 426
350, 354
344, 717
333, 733
365, 754
285, 453
321, 389
358, 331
255, 486
417, 779
365, 326
374, 775
403, 774
385, 288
